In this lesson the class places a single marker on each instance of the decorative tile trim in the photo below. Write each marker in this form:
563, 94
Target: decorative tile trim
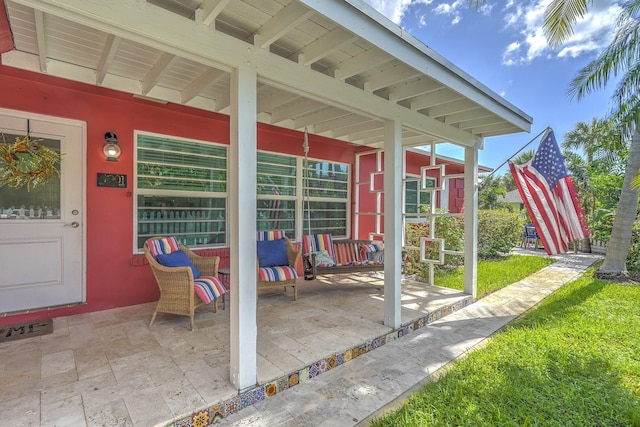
215, 413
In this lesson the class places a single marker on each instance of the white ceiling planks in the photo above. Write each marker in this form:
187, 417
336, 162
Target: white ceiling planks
335, 67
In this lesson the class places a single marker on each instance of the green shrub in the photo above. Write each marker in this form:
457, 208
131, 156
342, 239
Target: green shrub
498, 232
450, 229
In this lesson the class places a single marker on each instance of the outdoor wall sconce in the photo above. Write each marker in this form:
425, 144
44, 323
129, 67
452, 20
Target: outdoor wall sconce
111, 149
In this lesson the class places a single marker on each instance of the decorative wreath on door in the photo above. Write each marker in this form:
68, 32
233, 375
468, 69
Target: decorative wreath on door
27, 162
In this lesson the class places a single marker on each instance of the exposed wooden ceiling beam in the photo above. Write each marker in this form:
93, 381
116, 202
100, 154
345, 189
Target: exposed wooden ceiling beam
109, 51
360, 63
454, 107
155, 73
456, 119
324, 115
325, 45
358, 127
270, 103
294, 109
209, 11
412, 89
430, 100
293, 14
40, 40
160, 29
330, 125
389, 76
198, 84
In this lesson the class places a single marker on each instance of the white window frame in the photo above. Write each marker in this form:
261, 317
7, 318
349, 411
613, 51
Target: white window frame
300, 196
177, 193
417, 217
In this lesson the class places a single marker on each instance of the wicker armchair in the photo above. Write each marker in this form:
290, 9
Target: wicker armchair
180, 292
284, 274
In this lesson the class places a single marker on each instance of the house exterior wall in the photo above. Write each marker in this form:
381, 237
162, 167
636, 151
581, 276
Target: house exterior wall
414, 162
115, 275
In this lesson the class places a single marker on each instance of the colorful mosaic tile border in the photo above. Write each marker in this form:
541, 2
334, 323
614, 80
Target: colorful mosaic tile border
215, 413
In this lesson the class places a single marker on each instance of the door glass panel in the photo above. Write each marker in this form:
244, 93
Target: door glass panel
39, 202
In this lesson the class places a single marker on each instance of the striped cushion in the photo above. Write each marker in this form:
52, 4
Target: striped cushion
318, 243
366, 249
372, 262
277, 274
163, 246
270, 235
371, 247
208, 288
346, 254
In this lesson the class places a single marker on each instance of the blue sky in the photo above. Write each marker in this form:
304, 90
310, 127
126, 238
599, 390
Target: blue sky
502, 46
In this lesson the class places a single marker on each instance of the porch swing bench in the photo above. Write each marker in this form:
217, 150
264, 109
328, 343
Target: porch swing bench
328, 256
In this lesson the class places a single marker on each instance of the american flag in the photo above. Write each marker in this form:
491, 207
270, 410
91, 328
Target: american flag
550, 197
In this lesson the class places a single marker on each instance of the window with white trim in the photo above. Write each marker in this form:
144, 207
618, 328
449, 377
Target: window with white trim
414, 196
286, 194
181, 190
328, 198
277, 190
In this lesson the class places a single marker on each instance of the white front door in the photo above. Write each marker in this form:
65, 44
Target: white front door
42, 228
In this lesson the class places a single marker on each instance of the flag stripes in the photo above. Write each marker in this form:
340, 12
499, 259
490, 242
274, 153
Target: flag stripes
550, 196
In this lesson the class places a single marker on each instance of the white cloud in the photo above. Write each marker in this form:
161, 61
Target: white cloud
523, 25
394, 9
451, 9
486, 8
511, 51
591, 34
448, 9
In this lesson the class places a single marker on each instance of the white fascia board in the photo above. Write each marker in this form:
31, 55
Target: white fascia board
421, 150
363, 20
155, 27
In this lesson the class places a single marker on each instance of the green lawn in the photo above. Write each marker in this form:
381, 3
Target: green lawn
574, 361
493, 275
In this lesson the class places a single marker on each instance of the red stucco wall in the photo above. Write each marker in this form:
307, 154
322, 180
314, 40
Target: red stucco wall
115, 276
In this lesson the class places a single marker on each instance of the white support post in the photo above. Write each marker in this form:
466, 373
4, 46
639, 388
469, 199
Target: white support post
470, 220
392, 223
241, 212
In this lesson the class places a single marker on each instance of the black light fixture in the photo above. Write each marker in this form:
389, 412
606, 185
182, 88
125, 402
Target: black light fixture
111, 149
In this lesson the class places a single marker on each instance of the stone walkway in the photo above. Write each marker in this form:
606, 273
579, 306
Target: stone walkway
382, 379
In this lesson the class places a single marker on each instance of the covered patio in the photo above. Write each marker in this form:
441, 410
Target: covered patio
109, 368
244, 76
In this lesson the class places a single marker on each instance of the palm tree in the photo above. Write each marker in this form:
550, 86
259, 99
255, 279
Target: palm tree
524, 157
619, 58
489, 193
601, 141
598, 139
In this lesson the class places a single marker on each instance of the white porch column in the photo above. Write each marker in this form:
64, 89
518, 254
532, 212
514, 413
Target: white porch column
241, 213
392, 222
470, 220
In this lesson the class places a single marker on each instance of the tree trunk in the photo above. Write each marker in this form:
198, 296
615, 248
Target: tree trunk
586, 245
614, 265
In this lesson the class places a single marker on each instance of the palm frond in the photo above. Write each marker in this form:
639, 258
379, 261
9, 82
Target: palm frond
629, 115
632, 7
559, 18
620, 55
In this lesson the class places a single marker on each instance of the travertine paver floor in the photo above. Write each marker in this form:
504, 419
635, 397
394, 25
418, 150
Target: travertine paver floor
379, 380
109, 368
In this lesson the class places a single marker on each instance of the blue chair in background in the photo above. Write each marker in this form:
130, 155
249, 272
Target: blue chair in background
530, 236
